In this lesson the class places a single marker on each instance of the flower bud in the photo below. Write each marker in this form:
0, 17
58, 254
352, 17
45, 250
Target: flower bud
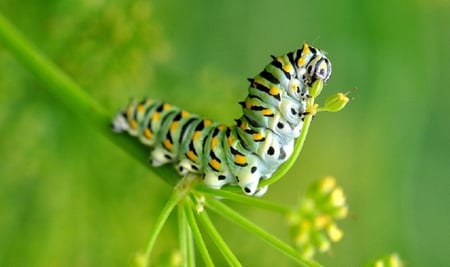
334, 233
316, 88
336, 102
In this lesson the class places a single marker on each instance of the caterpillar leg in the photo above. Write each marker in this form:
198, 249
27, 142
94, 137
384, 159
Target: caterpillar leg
261, 191
186, 166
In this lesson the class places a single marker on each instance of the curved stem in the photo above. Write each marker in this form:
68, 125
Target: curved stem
290, 162
73, 97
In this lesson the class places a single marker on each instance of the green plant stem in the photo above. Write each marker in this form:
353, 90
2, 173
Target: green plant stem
186, 239
218, 240
290, 162
239, 197
73, 97
235, 217
160, 221
198, 236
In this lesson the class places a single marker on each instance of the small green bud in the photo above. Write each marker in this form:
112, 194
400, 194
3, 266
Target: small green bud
316, 88
322, 243
336, 102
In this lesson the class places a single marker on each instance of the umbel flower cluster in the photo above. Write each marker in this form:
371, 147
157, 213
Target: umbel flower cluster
313, 222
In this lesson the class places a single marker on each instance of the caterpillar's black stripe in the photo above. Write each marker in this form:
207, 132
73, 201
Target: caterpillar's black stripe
269, 76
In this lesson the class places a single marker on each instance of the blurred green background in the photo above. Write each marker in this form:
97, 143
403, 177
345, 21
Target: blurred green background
68, 197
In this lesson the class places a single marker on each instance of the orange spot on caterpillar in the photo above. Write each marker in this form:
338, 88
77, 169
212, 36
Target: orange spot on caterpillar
174, 125
274, 90
191, 155
148, 133
266, 112
207, 122
257, 136
214, 142
184, 114
167, 144
196, 136
156, 116
133, 124
240, 159
215, 164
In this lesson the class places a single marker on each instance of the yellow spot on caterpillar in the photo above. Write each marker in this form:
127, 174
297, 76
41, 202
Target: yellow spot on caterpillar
130, 112
174, 125
257, 136
140, 108
215, 164
148, 133
166, 106
287, 68
248, 105
196, 136
191, 155
207, 122
133, 124
240, 160
214, 142
301, 61
266, 112
295, 87
243, 125
167, 144
230, 140
222, 127
155, 116
274, 90
184, 114
306, 49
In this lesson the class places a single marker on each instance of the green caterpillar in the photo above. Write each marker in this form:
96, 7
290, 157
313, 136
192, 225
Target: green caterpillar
244, 153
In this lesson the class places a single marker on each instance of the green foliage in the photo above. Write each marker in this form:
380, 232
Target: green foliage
68, 198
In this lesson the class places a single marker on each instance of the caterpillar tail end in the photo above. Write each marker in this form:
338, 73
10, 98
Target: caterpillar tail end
120, 123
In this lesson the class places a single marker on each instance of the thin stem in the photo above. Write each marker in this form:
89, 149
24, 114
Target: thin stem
276, 243
198, 236
72, 96
160, 221
218, 240
290, 162
186, 240
248, 200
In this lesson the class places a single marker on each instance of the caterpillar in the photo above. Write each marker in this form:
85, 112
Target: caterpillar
243, 153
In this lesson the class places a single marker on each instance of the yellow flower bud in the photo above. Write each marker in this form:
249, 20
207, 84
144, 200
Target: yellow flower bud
394, 261
338, 197
336, 102
327, 184
334, 233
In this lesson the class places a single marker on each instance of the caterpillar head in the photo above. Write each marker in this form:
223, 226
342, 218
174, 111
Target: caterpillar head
318, 68
313, 65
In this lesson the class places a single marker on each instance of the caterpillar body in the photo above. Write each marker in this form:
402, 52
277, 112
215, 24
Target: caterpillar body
249, 150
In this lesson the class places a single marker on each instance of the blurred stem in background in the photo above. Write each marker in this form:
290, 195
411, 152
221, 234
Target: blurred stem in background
71, 94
